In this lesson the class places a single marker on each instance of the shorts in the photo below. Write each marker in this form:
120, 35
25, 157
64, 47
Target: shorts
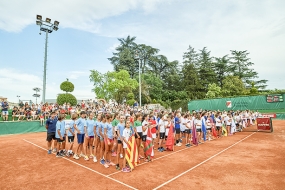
199, 130
139, 133
51, 136
5, 113
144, 138
80, 138
71, 139
59, 140
120, 142
91, 137
188, 131
177, 130
161, 135
110, 140
153, 135
218, 128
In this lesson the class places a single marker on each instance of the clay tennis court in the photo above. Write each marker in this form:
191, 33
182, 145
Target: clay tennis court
247, 160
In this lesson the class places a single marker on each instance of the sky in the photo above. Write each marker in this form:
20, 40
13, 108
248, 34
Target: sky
89, 31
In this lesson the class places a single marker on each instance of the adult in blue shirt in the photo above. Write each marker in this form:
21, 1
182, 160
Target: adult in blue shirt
5, 112
51, 129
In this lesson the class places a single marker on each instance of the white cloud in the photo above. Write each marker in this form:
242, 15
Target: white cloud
79, 14
77, 74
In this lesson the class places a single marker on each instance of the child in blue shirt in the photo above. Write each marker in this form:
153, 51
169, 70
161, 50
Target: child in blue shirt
81, 128
60, 135
71, 134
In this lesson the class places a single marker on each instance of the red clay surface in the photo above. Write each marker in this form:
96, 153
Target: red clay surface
247, 160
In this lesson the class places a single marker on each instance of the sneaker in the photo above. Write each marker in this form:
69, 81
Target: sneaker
67, 154
75, 156
159, 150
121, 156
102, 161
58, 155
62, 154
125, 170
179, 144
111, 164
94, 159
114, 154
162, 149
106, 165
54, 150
86, 158
49, 151
118, 167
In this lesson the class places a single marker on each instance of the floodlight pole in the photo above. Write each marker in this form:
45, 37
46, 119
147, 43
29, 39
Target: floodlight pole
45, 69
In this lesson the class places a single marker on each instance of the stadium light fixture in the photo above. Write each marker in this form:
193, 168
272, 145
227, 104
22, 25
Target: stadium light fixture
39, 17
47, 27
48, 20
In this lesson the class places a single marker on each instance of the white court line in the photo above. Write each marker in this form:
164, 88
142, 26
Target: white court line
153, 159
85, 167
202, 162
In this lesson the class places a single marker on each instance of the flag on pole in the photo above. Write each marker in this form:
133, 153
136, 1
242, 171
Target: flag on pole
214, 132
204, 129
132, 155
194, 135
148, 149
224, 130
170, 139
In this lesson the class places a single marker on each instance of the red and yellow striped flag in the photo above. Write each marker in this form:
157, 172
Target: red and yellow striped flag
132, 155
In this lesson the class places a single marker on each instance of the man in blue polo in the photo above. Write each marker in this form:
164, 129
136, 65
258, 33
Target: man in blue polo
51, 129
5, 112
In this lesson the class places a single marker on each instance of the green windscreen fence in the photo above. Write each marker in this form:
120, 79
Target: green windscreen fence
262, 102
20, 127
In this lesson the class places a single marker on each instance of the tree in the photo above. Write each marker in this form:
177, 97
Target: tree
112, 85
221, 67
67, 86
206, 71
155, 85
233, 85
66, 98
213, 91
123, 58
190, 81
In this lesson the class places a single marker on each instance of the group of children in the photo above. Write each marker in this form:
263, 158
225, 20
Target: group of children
106, 136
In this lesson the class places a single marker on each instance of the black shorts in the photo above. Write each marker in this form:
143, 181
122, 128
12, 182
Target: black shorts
59, 140
71, 139
161, 135
51, 136
139, 133
144, 138
177, 131
120, 142
188, 131
199, 130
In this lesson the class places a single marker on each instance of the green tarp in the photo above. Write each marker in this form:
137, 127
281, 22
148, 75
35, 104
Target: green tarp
237, 103
20, 127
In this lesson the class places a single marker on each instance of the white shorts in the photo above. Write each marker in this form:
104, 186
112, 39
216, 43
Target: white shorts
5, 113
153, 135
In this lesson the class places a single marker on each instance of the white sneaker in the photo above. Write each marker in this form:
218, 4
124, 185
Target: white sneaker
86, 158
54, 150
121, 156
179, 144
94, 159
76, 157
